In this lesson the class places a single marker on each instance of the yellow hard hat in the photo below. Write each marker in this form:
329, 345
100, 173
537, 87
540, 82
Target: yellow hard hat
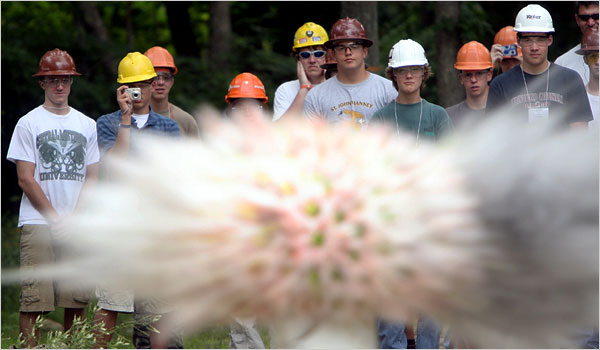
308, 35
135, 67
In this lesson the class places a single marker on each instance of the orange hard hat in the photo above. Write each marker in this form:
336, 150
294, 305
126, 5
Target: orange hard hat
246, 85
56, 62
473, 56
348, 29
507, 36
161, 58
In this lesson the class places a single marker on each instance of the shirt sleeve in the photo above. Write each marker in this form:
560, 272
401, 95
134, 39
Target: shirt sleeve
495, 99
92, 153
22, 145
580, 110
107, 131
310, 109
282, 102
443, 123
172, 129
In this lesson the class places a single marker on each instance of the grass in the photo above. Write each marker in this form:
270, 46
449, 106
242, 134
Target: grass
216, 337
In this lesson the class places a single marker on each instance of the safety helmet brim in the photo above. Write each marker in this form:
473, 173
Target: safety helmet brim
365, 42
55, 72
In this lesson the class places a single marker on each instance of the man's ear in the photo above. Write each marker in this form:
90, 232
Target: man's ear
551, 39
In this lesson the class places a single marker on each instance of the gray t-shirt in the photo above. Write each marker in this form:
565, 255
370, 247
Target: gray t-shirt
463, 115
349, 103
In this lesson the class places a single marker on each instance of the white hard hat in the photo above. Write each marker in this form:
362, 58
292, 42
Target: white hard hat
534, 19
407, 53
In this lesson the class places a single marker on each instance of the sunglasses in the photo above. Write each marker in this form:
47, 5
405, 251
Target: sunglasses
316, 53
593, 16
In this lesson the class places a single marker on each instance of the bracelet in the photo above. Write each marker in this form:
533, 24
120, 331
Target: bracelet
306, 86
125, 126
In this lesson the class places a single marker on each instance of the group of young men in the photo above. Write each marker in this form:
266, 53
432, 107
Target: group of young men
57, 149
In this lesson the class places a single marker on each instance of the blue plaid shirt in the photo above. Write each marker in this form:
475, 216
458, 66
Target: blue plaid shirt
108, 127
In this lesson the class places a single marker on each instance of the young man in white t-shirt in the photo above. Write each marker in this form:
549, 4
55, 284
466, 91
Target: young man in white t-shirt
55, 149
353, 95
310, 54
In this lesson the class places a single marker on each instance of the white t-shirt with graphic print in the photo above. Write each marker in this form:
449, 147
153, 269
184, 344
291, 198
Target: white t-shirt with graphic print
61, 147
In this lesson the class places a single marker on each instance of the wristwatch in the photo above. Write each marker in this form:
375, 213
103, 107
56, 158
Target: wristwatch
306, 86
125, 126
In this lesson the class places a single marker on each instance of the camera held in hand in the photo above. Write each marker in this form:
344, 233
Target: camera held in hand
509, 50
134, 93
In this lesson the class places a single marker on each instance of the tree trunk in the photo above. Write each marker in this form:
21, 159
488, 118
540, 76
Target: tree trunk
220, 34
129, 26
92, 22
366, 13
447, 41
182, 32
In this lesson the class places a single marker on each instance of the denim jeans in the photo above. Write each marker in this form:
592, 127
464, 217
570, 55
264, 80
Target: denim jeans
392, 335
428, 333
588, 339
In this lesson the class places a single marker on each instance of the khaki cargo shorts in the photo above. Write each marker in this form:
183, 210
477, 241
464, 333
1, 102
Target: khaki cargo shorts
37, 249
114, 298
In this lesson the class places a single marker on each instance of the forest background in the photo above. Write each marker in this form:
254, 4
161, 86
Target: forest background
212, 42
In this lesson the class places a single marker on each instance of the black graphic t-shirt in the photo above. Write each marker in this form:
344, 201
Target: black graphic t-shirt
559, 89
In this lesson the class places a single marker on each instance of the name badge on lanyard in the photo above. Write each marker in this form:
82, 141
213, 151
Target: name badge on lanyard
538, 114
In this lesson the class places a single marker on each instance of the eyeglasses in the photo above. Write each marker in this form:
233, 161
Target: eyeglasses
316, 53
246, 107
592, 58
530, 40
586, 18
164, 77
352, 47
478, 74
415, 71
141, 84
66, 81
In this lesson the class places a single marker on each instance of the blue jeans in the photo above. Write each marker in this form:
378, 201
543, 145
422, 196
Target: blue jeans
588, 339
392, 335
428, 333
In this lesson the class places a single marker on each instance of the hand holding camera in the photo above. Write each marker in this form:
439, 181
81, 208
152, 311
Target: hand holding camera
125, 102
135, 94
509, 50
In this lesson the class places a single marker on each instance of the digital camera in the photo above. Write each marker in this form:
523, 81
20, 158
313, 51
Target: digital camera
134, 93
509, 50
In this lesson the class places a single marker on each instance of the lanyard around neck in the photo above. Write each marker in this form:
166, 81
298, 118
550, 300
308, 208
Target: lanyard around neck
547, 80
